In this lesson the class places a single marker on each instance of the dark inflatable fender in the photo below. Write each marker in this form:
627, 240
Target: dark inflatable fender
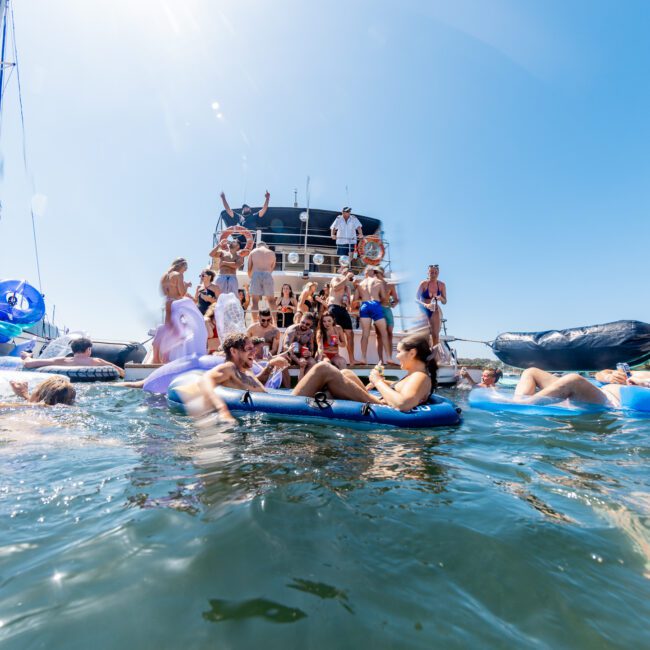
118, 352
593, 347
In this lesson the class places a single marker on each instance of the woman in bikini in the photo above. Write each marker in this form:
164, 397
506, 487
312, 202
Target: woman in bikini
307, 300
287, 307
329, 336
415, 357
430, 293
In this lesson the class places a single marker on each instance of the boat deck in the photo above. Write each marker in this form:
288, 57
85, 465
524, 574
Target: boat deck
446, 374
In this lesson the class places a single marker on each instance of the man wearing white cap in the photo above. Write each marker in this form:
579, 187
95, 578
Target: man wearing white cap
346, 229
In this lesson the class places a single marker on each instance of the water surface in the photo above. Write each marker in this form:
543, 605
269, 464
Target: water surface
127, 526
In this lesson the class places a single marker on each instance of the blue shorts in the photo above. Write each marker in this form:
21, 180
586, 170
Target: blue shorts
372, 309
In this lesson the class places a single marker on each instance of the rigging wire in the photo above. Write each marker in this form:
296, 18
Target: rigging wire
24, 143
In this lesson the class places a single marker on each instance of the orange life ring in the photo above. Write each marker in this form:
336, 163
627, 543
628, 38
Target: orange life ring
239, 230
371, 250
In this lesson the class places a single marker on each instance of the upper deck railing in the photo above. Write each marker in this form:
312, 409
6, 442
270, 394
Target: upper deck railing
303, 244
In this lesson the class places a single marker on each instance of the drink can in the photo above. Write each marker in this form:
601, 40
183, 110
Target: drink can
624, 367
334, 340
296, 348
266, 352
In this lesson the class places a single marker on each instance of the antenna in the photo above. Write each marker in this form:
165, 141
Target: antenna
295, 197
347, 195
305, 273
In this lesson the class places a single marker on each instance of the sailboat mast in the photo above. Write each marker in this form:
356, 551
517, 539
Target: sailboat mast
3, 21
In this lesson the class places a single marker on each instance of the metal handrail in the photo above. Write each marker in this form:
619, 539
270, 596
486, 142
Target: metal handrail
323, 245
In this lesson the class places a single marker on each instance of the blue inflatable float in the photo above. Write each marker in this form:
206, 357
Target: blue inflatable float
21, 306
634, 399
281, 405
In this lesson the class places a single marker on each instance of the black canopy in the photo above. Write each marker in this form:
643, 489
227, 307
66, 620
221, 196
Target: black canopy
283, 225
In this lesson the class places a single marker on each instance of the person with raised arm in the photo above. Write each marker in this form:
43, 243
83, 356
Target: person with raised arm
338, 302
489, 377
206, 293
245, 217
227, 257
53, 391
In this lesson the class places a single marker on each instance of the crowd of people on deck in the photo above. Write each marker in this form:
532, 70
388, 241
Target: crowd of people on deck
313, 331
321, 320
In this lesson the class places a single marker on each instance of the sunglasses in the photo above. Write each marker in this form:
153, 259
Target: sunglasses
265, 320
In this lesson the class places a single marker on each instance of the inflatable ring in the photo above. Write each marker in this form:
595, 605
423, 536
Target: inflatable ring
20, 303
239, 230
83, 373
371, 250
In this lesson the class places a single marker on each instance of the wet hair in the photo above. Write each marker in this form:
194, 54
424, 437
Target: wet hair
209, 272
424, 353
80, 345
494, 371
265, 313
55, 390
237, 341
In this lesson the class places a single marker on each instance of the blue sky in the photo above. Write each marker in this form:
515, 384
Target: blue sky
506, 141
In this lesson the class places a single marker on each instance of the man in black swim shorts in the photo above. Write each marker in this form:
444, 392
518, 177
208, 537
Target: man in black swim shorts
337, 303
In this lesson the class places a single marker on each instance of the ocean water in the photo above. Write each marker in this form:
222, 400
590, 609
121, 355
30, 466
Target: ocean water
124, 526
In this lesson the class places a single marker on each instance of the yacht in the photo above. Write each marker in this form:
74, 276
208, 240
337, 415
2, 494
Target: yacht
305, 251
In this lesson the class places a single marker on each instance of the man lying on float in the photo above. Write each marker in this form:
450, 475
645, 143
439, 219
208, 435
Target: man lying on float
81, 350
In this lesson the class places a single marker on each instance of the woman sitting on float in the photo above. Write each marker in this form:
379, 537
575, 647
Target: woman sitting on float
413, 352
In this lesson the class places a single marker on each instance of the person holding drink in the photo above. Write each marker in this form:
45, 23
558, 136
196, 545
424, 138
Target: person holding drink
329, 336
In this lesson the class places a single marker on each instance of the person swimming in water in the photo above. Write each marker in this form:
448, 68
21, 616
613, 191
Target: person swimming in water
53, 391
489, 377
